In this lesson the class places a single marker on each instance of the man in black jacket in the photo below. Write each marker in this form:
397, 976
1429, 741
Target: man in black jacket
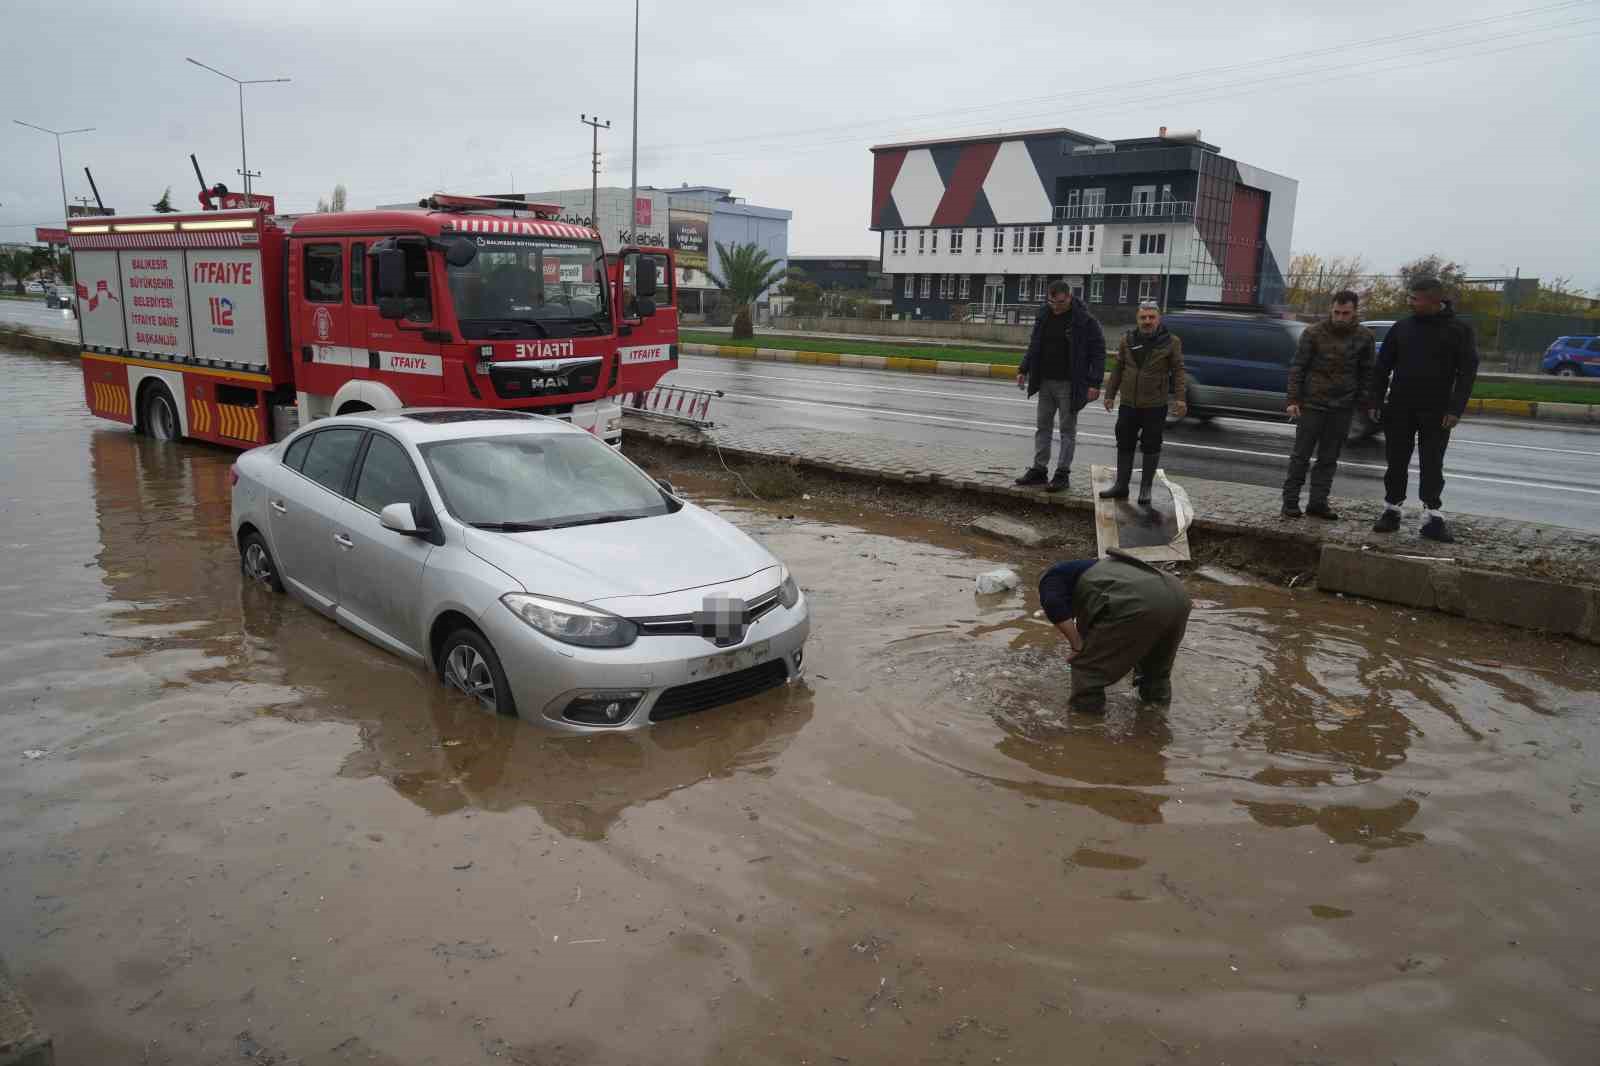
1064, 364
1420, 388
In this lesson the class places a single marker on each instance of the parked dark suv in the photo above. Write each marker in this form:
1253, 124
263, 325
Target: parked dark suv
1237, 364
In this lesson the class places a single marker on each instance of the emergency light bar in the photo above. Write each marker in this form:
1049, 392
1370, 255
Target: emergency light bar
445, 202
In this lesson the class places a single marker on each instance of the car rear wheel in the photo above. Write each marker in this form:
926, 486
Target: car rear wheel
469, 665
1567, 370
256, 561
161, 414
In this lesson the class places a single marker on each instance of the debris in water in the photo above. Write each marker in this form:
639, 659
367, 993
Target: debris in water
35, 753
1002, 580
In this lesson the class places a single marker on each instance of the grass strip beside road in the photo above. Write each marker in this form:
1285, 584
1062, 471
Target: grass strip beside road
1536, 392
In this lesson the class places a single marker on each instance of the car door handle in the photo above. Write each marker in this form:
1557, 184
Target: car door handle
277, 505
343, 541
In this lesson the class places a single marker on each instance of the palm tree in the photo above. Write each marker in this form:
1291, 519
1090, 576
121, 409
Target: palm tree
747, 272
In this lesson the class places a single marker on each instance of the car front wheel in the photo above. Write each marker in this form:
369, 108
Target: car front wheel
1566, 370
256, 561
469, 665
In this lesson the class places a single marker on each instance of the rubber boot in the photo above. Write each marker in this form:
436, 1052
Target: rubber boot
1119, 491
1089, 701
1147, 481
1155, 689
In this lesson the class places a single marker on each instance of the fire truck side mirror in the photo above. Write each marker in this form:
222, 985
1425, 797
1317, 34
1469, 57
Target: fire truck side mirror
391, 273
647, 277
460, 252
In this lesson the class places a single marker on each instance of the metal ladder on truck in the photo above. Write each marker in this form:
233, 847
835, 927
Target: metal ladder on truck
675, 403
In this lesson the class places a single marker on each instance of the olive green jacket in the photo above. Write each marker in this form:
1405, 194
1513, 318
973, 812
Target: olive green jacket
1149, 370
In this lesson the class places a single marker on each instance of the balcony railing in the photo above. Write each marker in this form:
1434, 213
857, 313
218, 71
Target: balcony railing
1145, 210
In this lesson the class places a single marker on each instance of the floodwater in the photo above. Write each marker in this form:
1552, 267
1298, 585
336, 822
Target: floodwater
1357, 835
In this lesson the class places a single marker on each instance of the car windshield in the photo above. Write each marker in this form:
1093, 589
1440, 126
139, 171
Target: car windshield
545, 481
531, 287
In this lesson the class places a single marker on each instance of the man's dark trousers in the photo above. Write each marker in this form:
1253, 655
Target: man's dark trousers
1403, 429
1319, 432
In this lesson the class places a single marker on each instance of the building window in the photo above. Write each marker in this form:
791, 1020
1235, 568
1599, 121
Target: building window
1147, 288
1024, 288
1152, 243
966, 287
999, 244
1075, 239
958, 239
944, 286
899, 245
977, 245
911, 285
1092, 230
927, 286
1127, 244
1097, 289
1061, 236
934, 246
922, 241
1016, 240
1122, 290
1094, 203
1074, 204
1035, 240
1166, 194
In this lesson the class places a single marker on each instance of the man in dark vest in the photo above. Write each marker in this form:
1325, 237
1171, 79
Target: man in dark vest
1063, 366
1119, 614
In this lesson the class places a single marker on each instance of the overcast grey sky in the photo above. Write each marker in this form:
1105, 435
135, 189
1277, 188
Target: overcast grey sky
1480, 141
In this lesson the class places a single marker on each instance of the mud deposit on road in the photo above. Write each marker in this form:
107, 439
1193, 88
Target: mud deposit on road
1357, 835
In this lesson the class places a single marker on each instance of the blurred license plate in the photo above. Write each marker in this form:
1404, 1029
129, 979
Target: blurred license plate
729, 661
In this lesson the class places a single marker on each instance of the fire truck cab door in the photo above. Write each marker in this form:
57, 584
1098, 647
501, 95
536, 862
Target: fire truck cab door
322, 318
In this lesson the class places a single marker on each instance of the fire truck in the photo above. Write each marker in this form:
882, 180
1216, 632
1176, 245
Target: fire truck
238, 326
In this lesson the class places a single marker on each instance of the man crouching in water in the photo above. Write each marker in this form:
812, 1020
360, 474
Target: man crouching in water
1119, 614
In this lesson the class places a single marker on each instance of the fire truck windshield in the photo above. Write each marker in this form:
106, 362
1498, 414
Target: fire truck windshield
531, 287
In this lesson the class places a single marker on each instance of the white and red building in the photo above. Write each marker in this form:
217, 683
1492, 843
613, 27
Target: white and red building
989, 222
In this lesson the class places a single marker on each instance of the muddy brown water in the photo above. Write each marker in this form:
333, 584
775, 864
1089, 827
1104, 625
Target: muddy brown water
1357, 835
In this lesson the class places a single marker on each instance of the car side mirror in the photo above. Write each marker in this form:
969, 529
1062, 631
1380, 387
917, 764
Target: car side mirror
401, 519
666, 486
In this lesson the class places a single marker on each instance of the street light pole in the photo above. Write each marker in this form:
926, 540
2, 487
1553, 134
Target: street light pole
633, 192
61, 171
244, 162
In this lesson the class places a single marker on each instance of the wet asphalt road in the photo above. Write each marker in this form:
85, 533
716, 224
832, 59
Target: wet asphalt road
1505, 469
233, 832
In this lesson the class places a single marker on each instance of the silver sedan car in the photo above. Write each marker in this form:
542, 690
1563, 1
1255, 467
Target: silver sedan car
533, 567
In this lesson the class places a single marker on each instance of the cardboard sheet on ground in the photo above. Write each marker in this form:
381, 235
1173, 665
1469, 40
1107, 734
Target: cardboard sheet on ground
1157, 533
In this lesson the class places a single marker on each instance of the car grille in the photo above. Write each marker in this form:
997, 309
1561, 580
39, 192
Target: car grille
684, 625
715, 691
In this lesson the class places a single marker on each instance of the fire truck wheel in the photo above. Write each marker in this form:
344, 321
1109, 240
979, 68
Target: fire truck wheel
468, 664
257, 562
160, 414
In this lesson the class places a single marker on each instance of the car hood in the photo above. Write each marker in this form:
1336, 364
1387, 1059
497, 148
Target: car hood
668, 553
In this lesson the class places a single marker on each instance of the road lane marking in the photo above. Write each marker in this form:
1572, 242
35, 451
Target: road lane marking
1023, 430
1253, 423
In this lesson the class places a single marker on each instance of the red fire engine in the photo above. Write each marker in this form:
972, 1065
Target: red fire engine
237, 326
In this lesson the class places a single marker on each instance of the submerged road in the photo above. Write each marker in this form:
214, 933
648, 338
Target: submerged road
1526, 470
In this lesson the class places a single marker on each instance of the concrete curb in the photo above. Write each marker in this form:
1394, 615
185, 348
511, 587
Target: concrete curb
1485, 595
1541, 410
1435, 584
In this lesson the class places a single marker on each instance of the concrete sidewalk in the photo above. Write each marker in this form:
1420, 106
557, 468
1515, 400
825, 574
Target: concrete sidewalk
1550, 568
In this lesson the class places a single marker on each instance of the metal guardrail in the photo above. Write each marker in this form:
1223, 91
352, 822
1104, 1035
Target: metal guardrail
675, 403
1159, 211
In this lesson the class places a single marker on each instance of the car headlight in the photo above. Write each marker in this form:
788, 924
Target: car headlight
788, 592
572, 623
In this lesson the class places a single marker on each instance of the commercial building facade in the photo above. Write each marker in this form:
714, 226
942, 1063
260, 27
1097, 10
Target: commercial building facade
981, 226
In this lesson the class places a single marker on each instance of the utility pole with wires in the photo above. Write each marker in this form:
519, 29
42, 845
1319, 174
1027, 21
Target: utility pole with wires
594, 123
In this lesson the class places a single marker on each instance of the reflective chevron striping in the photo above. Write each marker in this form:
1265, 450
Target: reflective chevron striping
110, 399
238, 422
